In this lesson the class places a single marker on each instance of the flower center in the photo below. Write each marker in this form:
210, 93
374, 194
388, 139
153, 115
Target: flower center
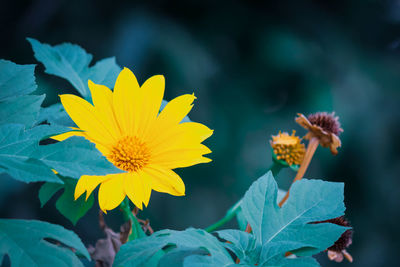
129, 154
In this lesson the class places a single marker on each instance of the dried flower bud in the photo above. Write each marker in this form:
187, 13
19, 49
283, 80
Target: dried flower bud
288, 148
324, 126
327, 121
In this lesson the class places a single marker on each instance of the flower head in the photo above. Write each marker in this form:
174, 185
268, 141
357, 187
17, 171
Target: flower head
288, 148
130, 132
324, 126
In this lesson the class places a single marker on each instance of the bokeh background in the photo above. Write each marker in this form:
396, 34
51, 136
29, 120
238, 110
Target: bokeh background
253, 65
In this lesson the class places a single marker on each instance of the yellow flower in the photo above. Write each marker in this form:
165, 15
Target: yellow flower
288, 148
130, 132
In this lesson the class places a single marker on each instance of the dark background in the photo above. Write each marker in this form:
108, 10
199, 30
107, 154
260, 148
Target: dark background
253, 65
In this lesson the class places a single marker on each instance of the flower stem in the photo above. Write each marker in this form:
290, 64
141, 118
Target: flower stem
311, 148
136, 230
275, 168
228, 216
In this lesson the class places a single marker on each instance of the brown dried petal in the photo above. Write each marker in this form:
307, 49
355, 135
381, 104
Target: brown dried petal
326, 139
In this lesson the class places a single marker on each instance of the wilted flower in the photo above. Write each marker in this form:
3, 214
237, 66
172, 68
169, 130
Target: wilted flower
288, 148
129, 130
338, 250
324, 126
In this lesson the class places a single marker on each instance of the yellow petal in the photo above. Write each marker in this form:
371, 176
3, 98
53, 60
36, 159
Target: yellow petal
153, 93
111, 192
64, 136
137, 186
87, 183
183, 135
182, 157
127, 99
103, 103
165, 180
84, 115
173, 113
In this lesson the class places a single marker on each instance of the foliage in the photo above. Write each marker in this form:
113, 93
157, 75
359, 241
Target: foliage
275, 231
72, 209
27, 154
36, 243
71, 62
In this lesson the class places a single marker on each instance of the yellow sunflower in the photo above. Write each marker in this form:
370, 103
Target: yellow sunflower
130, 132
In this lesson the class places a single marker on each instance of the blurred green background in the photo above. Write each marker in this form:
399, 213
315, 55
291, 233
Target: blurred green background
253, 65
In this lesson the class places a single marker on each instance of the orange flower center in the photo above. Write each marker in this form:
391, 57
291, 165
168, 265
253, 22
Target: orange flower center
129, 154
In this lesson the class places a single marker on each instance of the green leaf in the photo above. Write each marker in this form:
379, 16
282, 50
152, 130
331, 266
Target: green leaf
139, 251
26, 243
23, 110
16, 80
71, 62
284, 229
75, 157
47, 190
66, 204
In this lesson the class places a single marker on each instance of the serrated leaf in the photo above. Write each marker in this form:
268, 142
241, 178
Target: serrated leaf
16, 80
23, 110
71, 62
75, 157
16, 146
24, 241
243, 244
66, 204
139, 251
55, 114
284, 229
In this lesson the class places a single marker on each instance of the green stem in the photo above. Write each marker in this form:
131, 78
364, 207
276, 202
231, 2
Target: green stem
275, 168
228, 216
137, 231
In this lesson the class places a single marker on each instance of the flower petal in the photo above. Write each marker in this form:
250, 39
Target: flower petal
84, 115
111, 192
153, 93
183, 135
102, 98
182, 157
87, 183
137, 186
173, 113
127, 100
165, 180
64, 136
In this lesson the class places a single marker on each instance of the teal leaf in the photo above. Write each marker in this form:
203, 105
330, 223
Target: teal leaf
16, 80
284, 229
66, 204
71, 62
139, 251
55, 114
16, 146
23, 110
75, 157
25, 242
243, 244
